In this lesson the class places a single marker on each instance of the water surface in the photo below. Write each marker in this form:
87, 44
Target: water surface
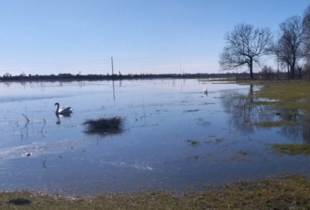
175, 137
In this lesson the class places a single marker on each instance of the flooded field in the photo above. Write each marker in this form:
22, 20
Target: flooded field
175, 136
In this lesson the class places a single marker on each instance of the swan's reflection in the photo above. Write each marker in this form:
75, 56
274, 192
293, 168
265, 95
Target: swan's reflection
58, 121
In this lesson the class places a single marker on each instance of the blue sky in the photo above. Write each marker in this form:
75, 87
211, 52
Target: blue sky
143, 36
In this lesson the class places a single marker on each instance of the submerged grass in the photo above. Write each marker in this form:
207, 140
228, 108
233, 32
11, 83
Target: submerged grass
292, 149
275, 124
290, 100
290, 192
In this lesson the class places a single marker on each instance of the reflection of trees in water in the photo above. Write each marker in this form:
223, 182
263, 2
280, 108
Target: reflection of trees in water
306, 130
243, 110
7, 84
292, 132
301, 130
246, 110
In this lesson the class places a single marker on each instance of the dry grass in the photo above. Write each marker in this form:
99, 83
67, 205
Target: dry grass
291, 192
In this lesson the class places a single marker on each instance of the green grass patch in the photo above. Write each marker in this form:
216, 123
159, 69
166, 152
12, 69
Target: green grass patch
290, 192
286, 91
275, 124
288, 95
269, 103
292, 149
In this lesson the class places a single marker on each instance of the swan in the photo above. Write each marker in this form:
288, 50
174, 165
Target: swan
63, 110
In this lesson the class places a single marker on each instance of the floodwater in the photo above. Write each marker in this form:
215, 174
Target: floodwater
175, 136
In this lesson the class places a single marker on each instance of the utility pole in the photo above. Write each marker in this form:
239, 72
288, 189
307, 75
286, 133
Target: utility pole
112, 66
113, 78
180, 68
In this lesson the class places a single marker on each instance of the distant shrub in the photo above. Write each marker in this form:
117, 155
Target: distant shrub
268, 72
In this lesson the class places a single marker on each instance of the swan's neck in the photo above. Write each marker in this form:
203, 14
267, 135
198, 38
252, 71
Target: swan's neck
57, 108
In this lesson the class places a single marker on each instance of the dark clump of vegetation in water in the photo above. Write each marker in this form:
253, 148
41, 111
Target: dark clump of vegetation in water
105, 126
287, 192
292, 149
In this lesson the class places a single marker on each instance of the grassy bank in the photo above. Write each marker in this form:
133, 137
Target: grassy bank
285, 193
287, 95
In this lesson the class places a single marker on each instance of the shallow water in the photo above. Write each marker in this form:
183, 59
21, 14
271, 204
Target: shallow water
174, 138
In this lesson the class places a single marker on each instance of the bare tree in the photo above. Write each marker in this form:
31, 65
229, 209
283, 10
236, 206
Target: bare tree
306, 34
282, 53
245, 46
289, 44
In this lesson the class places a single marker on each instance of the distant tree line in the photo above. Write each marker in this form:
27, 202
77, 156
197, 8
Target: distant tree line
247, 45
79, 77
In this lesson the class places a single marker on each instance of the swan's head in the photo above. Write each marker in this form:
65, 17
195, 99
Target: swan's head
56, 104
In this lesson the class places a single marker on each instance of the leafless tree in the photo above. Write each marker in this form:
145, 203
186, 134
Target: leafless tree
282, 53
245, 46
289, 44
306, 34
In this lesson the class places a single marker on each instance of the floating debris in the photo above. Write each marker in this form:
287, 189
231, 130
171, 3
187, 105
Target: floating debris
193, 143
192, 110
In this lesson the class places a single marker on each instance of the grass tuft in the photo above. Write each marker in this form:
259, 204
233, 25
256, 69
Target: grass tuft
106, 126
268, 124
292, 149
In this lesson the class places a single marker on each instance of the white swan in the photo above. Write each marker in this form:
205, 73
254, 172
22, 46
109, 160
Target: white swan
63, 110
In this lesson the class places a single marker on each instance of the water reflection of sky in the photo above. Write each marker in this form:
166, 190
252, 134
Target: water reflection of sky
175, 136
